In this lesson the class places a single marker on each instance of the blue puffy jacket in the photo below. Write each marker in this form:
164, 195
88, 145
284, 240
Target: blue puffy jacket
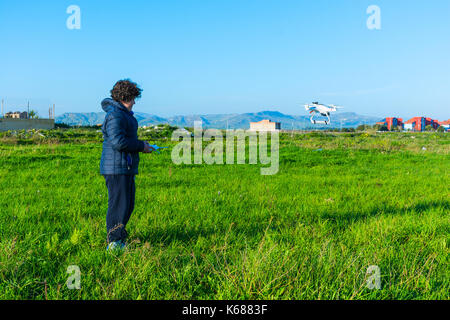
121, 146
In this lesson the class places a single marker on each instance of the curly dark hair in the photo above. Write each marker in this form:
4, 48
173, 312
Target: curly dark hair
125, 90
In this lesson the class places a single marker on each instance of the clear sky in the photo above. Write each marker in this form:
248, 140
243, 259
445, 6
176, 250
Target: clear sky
234, 56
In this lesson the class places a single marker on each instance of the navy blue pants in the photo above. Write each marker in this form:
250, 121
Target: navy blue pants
121, 192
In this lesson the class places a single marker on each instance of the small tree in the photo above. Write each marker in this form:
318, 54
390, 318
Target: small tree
33, 115
429, 128
440, 129
361, 127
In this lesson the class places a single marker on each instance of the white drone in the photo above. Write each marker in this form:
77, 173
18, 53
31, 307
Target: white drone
322, 109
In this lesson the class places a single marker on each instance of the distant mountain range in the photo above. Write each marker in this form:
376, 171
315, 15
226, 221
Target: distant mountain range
223, 121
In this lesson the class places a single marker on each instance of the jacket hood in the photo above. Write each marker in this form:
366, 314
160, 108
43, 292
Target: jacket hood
110, 105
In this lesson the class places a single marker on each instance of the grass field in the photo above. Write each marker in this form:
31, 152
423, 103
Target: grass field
227, 232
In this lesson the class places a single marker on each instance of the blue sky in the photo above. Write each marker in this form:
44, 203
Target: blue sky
199, 57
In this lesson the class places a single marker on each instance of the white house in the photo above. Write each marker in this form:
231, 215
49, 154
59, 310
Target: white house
265, 125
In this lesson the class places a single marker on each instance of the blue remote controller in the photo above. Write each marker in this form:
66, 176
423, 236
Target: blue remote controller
154, 146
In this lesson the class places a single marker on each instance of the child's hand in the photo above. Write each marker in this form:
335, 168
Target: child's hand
148, 148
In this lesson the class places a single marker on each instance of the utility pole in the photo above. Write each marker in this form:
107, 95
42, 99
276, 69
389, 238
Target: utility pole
341, 122
28, 114
3, 115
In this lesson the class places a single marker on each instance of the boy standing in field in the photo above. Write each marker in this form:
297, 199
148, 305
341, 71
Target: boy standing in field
120, 159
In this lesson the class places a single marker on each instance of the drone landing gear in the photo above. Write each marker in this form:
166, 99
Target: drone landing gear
320, 121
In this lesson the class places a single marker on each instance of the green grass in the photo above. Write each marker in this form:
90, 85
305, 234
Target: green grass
227, 232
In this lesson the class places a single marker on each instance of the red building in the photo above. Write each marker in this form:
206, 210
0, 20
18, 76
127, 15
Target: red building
445, 125
392, 122
415, 124
432, 122
419, 123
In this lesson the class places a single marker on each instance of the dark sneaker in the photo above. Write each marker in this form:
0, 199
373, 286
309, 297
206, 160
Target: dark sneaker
116, 245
